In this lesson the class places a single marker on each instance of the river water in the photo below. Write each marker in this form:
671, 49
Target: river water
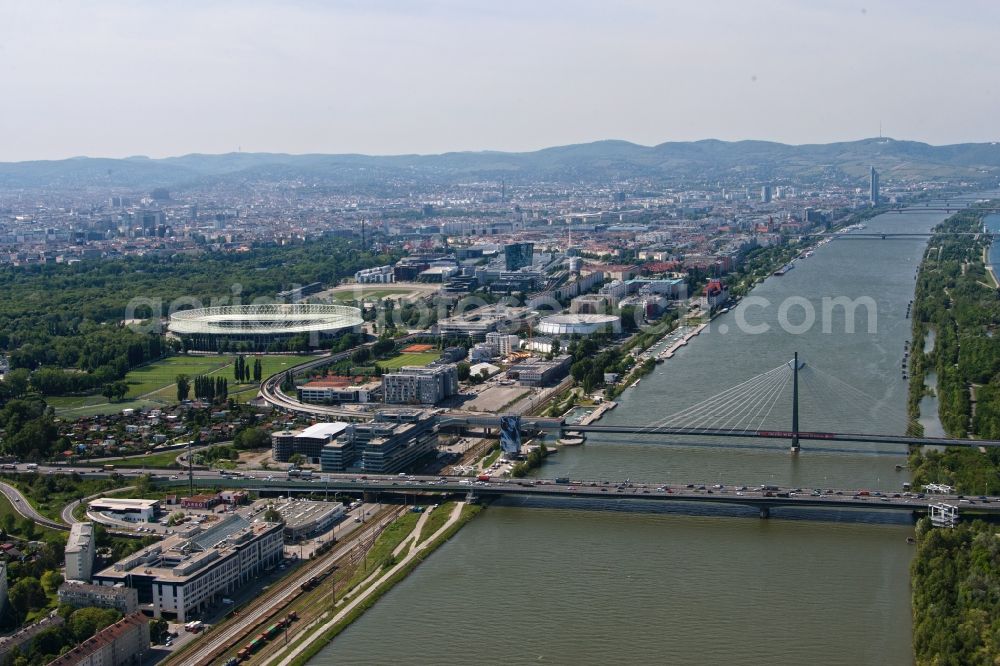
571, 584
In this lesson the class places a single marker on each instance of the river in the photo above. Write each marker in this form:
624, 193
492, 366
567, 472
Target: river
570, 584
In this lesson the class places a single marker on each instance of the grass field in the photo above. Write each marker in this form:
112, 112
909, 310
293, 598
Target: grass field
368, 293
153, 384
423, 358
155, 377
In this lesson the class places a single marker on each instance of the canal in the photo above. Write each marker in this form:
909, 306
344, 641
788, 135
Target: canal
569, 584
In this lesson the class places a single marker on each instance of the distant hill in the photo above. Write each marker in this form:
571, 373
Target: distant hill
601, 161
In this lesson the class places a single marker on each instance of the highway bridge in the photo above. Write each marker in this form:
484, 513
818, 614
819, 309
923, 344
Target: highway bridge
408, 487
763, 498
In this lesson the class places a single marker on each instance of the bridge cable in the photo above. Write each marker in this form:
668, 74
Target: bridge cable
757, 398
714, 411
711, 402
717, 410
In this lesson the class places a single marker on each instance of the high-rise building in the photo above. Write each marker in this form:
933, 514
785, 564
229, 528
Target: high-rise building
765, 194
873, 187
80, 549
518, 255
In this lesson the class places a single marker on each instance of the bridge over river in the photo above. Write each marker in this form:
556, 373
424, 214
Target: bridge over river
763, 498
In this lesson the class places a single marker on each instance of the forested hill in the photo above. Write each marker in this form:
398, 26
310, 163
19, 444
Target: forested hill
601, 161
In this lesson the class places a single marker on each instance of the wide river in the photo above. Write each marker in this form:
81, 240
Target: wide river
615, 582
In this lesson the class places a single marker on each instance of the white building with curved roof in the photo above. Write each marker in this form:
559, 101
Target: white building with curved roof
255, 327
579, 324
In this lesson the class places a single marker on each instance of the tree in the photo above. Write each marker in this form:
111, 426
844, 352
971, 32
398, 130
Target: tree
183, 388
555, 346
297, 459
251, 438
464, 371
258, 370
143, 484
361, 356
17, 382
86, 622
120, 390
27, 595
158, 629
27, 528
51, 580
272, 515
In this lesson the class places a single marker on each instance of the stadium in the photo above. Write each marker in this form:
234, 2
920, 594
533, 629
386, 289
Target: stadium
579, 324
261, 327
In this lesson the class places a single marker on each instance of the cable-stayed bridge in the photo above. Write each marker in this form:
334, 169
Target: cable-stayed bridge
749, 410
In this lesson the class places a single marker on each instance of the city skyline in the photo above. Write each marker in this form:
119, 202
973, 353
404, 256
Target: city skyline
120, 79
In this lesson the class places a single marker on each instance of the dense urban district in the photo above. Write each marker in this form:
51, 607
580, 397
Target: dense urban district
243, 396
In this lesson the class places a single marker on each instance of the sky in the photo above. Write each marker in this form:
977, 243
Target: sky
114, 78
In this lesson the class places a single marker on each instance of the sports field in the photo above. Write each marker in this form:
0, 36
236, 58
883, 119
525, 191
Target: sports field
423, 358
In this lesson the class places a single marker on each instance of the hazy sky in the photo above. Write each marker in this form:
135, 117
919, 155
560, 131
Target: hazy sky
168, 77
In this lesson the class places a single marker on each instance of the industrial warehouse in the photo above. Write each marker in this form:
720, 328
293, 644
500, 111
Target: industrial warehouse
258, 327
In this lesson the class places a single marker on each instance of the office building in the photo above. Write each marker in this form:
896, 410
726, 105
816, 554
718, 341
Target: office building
765, 194
503, 343
518, 255
121, 598
873, 187
187, 572
305, 518
394, 441
337, 391
80, 550
540, 373
308, 442
377, 275
128, 509
414, 385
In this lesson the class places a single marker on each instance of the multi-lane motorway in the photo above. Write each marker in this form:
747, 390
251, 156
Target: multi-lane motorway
762, 497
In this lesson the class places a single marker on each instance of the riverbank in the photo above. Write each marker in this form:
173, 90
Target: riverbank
300, 651
955, 573
953, 298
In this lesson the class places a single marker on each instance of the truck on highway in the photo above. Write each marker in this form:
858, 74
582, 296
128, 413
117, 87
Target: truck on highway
31, 467
483, 477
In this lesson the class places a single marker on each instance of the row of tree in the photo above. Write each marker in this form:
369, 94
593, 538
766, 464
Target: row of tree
242, 371
210, 389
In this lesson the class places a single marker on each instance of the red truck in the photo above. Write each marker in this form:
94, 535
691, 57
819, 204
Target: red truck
483, 477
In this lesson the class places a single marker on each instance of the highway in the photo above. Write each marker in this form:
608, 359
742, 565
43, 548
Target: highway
23, 507
754, 496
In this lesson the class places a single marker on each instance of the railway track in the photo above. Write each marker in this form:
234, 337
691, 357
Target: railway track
228, 635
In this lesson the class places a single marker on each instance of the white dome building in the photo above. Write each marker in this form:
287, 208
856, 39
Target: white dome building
579, 324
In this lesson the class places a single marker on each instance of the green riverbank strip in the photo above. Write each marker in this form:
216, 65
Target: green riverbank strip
955, 574
953, 297
317, 643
